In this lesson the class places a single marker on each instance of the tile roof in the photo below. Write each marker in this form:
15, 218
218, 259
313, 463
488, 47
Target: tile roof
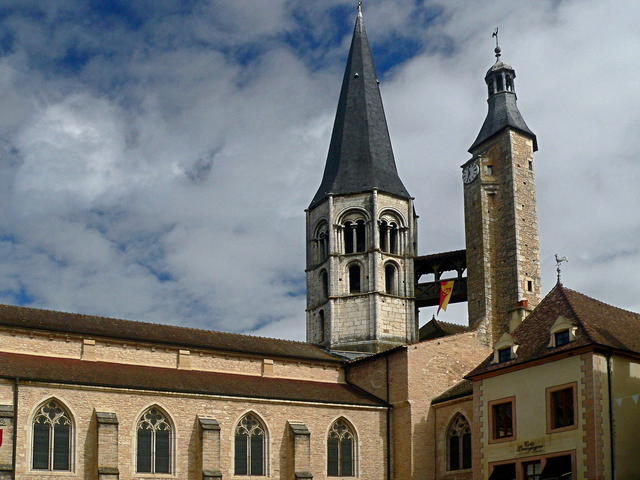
104, 374
435, 328
459, 390
598, 324
89, 325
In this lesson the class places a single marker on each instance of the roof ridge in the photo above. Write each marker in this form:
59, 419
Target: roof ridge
585, 328
608, 305
193, 329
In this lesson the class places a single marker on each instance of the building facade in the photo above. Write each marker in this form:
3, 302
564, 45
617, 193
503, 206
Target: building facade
533, 388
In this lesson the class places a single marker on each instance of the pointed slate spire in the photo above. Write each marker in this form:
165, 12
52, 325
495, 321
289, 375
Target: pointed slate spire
360, 155
503, 110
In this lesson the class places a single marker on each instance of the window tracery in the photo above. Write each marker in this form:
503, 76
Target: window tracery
52, 435
341, 450
154, 452
459, 444
250, 446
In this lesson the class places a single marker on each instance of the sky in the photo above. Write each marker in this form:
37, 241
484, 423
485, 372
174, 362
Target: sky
156, 156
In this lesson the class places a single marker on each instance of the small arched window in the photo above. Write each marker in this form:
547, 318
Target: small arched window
459, 444
324, 279
52, 435
154, 452
391, 279
250, 446
341, 450
321, 242
354, 278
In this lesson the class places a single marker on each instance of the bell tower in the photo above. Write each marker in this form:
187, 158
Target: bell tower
361, 226
501, 225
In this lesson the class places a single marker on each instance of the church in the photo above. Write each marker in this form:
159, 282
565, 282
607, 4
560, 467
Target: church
532, 388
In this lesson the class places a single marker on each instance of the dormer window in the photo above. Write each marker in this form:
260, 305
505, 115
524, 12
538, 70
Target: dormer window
562, 338
562, 332
504, 354
505, 349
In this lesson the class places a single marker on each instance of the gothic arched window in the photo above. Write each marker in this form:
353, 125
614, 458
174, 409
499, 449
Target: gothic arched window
154, 452
250, 446
459, 444
341, 450
52, 437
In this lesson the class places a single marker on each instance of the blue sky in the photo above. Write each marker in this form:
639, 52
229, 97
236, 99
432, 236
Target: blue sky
156, 157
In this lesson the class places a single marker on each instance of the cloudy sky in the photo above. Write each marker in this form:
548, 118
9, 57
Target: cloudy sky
156, 156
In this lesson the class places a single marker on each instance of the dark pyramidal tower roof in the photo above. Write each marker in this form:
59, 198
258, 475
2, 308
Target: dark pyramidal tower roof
360, 155
503, 110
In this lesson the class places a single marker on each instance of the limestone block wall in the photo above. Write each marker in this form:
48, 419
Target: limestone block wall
34, 342
501, 231
386, 319
186, 413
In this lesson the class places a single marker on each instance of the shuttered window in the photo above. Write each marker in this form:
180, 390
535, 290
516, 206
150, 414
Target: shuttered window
250, 447
52, 435
155, 443
341, 448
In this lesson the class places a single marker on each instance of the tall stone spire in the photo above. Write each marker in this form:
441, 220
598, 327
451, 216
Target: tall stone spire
503, 110
360, 156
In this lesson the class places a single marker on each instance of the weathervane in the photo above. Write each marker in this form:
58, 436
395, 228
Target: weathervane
559, 262
497, 50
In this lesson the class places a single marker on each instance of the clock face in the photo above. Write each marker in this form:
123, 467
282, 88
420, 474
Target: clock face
470, 172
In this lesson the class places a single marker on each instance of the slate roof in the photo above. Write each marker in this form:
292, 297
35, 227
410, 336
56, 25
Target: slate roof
598, 323
435, 328
360, 155
459, 390
503, 112
105, 374
73, 323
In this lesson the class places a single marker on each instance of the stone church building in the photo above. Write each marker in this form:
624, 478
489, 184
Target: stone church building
533, 388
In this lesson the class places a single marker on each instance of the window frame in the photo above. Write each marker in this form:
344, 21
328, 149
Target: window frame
51, 447
550, 410
492, 423
360, 290
354, 450
172, 443
266, 472
448, 436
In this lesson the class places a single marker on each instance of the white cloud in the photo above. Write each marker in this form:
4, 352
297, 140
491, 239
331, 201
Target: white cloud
166, 179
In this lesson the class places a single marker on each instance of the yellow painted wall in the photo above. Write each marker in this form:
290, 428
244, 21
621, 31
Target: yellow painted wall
529, 387
626, 412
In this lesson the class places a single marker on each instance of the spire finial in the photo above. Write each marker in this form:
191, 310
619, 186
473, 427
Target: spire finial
360, 7
559, 262
497, 50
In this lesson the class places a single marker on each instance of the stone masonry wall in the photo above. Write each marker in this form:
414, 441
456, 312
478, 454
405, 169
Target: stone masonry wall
183, 410
33, 342
501, 226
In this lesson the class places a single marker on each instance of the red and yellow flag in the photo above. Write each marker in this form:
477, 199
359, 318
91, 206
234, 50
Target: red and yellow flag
446, 289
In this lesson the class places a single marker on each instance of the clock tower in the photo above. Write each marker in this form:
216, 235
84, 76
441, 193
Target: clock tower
501, 225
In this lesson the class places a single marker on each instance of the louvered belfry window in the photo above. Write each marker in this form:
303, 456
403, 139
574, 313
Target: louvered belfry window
51, 438
154, 443
341, 450
250, 446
